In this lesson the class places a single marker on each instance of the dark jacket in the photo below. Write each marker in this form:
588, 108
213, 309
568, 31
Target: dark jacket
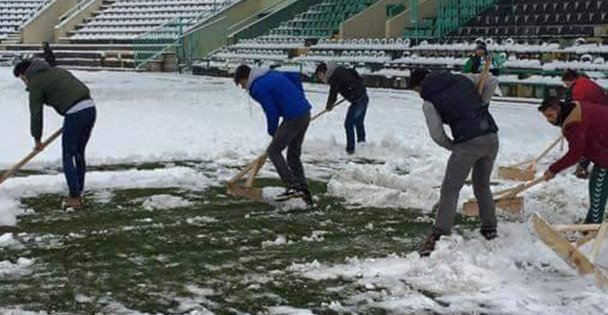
49, 56
54, 87
281, 95
345, 81
459, 104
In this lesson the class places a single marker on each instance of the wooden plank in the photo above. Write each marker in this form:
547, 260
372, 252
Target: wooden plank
575, 227
561, 246
599, 241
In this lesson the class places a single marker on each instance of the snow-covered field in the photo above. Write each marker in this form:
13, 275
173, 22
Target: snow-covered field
148, 118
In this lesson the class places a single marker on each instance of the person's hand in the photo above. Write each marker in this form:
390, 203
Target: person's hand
548, 175
38, 146
329, 107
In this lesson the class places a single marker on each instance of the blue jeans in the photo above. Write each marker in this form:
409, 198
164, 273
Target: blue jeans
77, 129
355, 118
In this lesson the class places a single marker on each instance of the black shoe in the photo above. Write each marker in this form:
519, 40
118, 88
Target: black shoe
350, 152
308, 198
489, 233
428, 246
290, 193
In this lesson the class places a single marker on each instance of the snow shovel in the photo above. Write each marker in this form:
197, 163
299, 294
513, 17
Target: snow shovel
10, 172
552, 236
506, 200
525, 171
246, 190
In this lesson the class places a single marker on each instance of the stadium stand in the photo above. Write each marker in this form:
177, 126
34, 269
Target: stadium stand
123, 21
14, 13
538, 19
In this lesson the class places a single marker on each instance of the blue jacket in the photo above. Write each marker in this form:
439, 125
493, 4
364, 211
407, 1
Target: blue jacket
281, 95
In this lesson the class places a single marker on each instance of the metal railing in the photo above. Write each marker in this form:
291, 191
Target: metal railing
168, 37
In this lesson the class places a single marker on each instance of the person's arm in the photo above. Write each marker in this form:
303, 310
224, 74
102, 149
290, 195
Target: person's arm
270, 110
435, 126
333, 96
575, 134
489, 87
36, 115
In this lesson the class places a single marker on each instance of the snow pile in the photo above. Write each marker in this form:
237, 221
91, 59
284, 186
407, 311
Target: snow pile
159, 202
20, 187
20, 267
513, 274
8, 240
286, 310
280, 240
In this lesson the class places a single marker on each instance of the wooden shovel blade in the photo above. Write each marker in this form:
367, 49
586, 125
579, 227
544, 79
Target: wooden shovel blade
251, 193
511, 205
516, 173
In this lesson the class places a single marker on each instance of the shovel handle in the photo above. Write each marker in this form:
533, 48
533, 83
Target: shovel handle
549, 148
10, 172
321, 113
521, 187
484, 75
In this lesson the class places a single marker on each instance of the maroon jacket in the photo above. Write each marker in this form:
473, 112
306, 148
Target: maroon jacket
585, 90
586, 129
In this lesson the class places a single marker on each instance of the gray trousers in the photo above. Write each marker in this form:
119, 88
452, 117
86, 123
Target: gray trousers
477, 154
290, 135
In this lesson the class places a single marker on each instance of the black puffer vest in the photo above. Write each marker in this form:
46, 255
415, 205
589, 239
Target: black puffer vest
459, 104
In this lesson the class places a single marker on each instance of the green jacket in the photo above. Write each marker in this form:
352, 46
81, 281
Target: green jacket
54, 87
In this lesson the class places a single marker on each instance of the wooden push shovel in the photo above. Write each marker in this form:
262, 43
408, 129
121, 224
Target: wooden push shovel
552, 236
506, 200
247, 190
525, 171
10, 172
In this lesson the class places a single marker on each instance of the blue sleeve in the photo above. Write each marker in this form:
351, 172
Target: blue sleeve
270, 109
296, 79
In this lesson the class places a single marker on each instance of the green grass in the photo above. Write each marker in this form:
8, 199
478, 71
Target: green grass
118, 251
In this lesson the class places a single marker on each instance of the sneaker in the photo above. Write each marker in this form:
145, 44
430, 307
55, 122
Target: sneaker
428, 246
73, 203
290, 193
489, 233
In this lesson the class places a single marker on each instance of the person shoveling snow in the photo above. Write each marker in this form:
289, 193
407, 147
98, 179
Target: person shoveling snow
281, 95
71, 98
585, 127
454, 100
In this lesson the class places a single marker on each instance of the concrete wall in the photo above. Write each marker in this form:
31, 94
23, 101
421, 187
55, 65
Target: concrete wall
370, 23
78, 17
41, 27
396, 26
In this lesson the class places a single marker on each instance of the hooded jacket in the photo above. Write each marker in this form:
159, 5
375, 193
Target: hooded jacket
345, 81
586, 130
280, 93
458, 103
54, 87
585, 90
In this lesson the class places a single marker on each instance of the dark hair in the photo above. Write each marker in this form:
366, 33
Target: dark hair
569, 75
322, 67
242, 72
21, 67
416, 77
550, 102
482, 45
